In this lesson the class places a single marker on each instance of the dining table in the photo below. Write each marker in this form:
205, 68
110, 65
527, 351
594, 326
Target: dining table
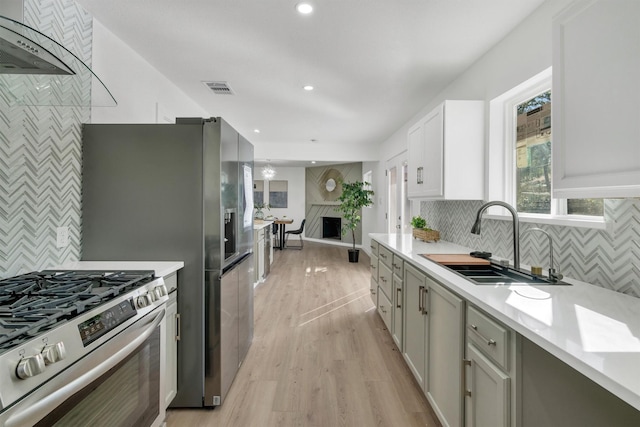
282, 222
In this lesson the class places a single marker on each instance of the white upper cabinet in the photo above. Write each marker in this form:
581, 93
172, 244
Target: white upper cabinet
446, 153
596, 88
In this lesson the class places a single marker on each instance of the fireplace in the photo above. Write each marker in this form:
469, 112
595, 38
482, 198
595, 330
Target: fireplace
331, 227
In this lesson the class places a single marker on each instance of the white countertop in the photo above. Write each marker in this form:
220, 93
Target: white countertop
161, 268
594, 330
261, 225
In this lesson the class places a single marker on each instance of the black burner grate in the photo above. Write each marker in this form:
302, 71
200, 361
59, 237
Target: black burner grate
35, 302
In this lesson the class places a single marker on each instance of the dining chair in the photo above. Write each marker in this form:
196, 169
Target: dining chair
298, 232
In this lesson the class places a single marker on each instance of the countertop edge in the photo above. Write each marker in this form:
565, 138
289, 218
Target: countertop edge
261, 225
161, 268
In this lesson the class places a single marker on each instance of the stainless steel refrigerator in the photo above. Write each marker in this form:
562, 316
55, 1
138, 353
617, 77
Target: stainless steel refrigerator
180, 192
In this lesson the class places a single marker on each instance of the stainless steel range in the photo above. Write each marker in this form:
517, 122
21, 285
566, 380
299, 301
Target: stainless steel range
82, 348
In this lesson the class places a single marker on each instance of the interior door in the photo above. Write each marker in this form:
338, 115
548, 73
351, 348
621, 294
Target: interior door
398, 208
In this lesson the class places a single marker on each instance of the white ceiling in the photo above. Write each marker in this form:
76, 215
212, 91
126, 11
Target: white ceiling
374, 63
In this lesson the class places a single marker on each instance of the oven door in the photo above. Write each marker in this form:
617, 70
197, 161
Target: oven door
117, 384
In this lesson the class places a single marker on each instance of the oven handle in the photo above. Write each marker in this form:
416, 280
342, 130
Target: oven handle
37, 408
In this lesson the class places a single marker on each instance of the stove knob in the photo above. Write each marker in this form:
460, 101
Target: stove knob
143, 301
160, 291
30, 366
54, 353
152, 295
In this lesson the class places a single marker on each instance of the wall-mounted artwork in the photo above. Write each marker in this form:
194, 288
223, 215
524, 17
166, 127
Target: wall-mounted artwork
278, 194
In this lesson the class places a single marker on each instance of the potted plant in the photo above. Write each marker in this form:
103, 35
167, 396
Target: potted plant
259, 208
354, 197
422, 231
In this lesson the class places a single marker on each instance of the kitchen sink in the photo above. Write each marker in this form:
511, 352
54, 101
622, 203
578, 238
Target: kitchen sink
496, 274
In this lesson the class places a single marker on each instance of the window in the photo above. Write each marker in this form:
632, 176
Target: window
533, 154
520, 157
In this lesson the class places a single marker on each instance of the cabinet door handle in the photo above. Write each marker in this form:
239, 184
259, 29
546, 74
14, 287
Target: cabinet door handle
383, 256
420, 307
177, 326
424, 302
485, 339
419, 179
398, 296
466, 363
384, 279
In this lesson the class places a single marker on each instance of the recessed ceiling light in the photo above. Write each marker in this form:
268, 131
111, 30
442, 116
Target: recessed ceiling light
308, 87
313, 162
256, 130
304, 8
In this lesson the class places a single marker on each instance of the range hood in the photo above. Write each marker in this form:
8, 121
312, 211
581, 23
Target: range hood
37, 70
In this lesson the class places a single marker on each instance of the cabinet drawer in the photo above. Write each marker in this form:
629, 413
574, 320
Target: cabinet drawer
384, 309
397, 266
374, 248
385, 279
385, 255
490, 337
374, 268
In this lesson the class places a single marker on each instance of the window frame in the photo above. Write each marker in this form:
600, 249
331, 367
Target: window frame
501, 158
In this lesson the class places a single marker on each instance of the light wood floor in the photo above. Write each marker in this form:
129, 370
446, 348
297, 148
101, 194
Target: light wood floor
321, 355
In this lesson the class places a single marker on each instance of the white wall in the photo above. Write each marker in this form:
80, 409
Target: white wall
140, 90
295, 176
522, 54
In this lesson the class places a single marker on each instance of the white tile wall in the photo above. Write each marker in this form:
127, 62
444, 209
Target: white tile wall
40, 158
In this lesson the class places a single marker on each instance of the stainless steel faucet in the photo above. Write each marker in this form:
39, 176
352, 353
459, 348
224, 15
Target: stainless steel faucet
553, 274
516, 227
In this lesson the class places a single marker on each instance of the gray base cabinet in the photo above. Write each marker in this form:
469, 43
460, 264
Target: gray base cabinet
433, 343
373, 287
476, 371
488, 399
415, 323
446, 350
398, 303
491, 366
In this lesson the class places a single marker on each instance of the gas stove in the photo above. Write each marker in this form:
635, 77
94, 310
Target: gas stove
51, 319
33, 303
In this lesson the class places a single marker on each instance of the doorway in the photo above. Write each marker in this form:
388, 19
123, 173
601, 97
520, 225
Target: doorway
398, 208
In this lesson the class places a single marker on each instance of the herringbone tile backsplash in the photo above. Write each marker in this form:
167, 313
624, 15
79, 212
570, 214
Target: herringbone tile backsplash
41, 158
607, 258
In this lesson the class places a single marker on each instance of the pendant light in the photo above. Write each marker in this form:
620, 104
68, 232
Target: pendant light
268, 172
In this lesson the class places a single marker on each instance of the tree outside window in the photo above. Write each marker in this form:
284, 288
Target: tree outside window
533, 162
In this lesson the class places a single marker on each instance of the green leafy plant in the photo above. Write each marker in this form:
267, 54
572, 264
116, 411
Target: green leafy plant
418, 222
354, 197
259, 207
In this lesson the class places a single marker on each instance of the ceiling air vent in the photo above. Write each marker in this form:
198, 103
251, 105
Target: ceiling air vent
219, 88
